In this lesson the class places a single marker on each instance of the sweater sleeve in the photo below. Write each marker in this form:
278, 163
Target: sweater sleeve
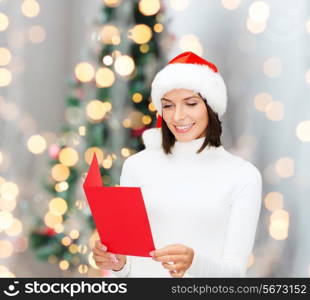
240, 234
126, 179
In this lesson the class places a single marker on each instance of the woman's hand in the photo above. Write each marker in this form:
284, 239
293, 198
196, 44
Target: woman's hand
180, 255
107, 260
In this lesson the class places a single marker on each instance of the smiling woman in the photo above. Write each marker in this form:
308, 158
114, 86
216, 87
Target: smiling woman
187, 116
203, 202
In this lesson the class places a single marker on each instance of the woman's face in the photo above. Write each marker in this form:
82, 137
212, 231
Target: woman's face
185, 114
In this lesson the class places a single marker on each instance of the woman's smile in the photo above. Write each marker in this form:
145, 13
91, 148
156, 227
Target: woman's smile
184, 128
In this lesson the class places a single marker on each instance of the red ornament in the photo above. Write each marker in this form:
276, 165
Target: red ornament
49, 231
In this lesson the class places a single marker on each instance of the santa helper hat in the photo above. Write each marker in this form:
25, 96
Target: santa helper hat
186, 71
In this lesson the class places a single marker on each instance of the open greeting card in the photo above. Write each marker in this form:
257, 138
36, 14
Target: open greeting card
119, 214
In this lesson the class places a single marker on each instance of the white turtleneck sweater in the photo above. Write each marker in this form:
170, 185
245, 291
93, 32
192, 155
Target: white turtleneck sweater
209, 201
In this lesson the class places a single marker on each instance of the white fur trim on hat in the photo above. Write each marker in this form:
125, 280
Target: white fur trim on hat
199, 78
152, 138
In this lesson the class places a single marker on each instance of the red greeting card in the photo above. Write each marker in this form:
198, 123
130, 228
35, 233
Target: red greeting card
119, 214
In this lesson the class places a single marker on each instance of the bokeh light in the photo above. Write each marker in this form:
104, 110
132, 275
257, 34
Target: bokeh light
5, 77
58, 206
84, 72
4, 22
60, 172
140, 33
30, 8
261, 101
105, 77
273, 201
259, 11
89, 153
149, 7
95, 110
303, 131
112, 3
231, 4
274, 111
5, 56
124, 65
110, 35
6, 249
51, 220
36, 144
179, 5
68, 156
9, 190
191, 42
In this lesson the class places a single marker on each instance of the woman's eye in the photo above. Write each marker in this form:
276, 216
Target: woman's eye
191, 104
165, 106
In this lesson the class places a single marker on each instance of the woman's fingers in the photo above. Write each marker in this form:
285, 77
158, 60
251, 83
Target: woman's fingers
167, 258
100, 246
172, 267
177, 274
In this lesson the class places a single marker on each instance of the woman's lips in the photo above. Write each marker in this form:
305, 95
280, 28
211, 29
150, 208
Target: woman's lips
183, 129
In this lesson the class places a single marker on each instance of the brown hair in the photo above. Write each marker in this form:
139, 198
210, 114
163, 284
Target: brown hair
213, 132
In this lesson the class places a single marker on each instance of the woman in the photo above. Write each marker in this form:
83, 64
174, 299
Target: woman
203, 202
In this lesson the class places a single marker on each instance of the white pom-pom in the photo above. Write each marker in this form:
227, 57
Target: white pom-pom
152, 138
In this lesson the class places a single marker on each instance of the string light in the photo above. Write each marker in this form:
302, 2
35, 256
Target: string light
60, 172
74, 234
84, 72
140, 33
110, 35
68, 156
303, 131
112, 3
95, 110
273, 201
4, 22
285, 167
15, 229
5, 77
9, 190
149, 7
274, 110
105, 77
179, 5
259, 11
64, 265
5, 56
158, 27
89, 153
191, 42
261, 101
124, 65
6, 220
231, 4
58, 206
6, 249
51, 220
36, 144
137, 97
30, 8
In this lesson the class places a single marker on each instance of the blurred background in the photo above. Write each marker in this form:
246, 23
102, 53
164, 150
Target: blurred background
75, 80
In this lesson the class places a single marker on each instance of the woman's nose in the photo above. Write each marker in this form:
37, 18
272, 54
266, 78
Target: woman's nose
178, 114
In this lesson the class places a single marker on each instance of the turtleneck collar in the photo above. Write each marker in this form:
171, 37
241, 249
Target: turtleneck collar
152, 139
191, 147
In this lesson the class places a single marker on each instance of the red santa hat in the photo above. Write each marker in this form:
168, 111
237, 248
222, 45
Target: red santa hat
189, 71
